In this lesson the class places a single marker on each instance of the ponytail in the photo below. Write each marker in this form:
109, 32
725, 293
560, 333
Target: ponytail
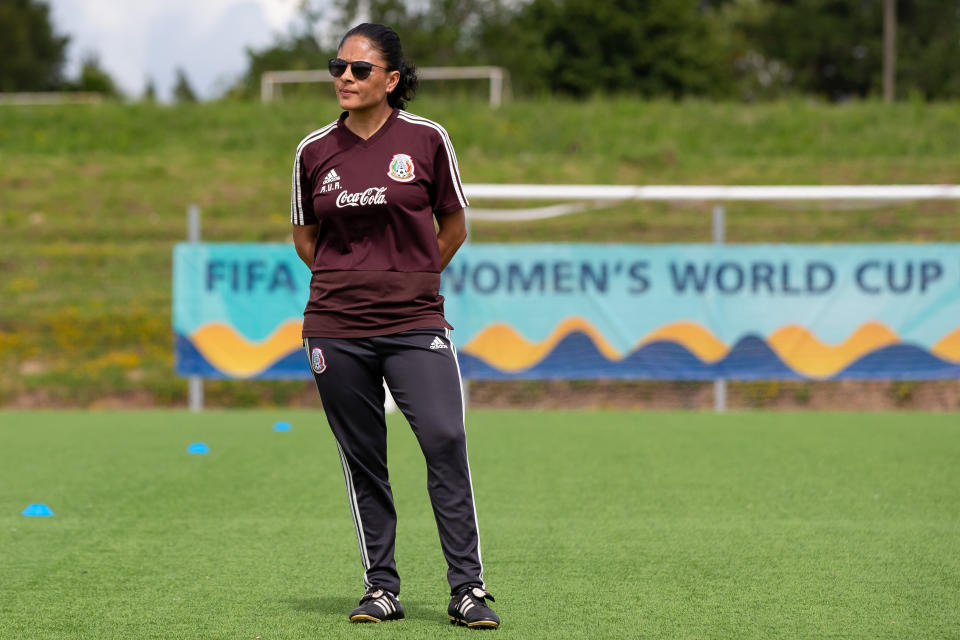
406, 87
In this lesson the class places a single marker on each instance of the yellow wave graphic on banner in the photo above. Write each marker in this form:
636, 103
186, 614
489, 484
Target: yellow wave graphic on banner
232, 353
803, 352
948, 348
502, 346
696, 338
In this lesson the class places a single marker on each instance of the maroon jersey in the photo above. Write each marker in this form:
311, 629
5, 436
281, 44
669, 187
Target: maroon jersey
376, 270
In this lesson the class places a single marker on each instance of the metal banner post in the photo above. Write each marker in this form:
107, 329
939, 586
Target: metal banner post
194, 383
720, 384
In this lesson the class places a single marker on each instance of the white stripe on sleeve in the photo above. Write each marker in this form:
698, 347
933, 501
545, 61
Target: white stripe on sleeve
448, 146
296, 203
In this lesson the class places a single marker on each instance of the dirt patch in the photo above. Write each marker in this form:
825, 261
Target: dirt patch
32, 400
848, 395
33, 367
131, 400
851, 395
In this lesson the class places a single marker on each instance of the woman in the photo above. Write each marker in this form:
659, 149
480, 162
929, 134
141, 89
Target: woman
366, 191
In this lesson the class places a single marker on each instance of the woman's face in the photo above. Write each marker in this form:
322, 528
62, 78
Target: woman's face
360, 95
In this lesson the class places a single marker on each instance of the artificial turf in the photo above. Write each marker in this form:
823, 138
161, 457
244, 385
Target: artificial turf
593, 525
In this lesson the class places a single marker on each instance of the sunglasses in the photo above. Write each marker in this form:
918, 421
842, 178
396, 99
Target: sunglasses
359, 68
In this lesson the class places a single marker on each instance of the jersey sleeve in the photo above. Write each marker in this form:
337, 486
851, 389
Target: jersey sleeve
447, 194
301, 195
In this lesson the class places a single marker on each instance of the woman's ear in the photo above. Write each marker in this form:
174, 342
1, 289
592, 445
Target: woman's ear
392, 81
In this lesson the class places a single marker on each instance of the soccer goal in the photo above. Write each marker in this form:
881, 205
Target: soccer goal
498, 77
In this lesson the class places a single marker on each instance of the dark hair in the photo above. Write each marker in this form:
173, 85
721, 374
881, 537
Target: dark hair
387, 42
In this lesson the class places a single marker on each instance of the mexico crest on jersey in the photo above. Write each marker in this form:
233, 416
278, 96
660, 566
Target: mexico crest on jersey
401, 168
317, 362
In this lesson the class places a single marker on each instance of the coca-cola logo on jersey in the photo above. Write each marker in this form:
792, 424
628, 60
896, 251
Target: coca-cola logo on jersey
373, 195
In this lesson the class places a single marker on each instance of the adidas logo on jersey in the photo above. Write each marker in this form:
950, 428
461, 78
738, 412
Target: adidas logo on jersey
438, 344
331, 182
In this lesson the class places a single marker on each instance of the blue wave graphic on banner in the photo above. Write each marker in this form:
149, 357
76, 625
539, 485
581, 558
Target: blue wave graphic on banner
576, 356
189, 361
901, 362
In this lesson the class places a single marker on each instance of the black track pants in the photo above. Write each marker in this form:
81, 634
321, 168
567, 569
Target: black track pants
421, 370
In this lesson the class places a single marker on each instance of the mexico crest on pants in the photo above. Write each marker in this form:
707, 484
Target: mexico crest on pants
317, 363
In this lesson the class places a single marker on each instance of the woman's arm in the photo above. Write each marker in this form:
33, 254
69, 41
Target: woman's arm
450, 235
305, 240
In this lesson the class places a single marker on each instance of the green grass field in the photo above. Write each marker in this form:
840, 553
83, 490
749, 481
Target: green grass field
594, 525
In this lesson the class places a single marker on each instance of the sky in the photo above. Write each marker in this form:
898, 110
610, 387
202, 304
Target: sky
137, 39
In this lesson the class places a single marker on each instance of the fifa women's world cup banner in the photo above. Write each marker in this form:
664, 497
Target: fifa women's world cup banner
681, 312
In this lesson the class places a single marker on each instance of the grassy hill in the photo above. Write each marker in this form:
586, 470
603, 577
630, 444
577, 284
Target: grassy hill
92, 199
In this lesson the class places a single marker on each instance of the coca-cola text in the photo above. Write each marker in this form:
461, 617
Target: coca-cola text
373, 195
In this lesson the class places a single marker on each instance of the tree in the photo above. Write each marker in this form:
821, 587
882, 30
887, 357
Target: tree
150, 91
577, 47
292, 52
31, 54
581, 47
182, 91
928, 48
835, 47
93, 78
298, 49
435, 32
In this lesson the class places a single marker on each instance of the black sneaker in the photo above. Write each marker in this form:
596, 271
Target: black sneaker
377, 605
468, 608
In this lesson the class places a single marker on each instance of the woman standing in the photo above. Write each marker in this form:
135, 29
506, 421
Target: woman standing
366, 191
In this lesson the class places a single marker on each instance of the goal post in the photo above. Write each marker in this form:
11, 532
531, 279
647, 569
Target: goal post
577, 198
498, 77
906, 192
